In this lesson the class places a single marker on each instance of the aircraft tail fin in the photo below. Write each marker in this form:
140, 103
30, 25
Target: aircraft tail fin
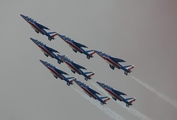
71, 79
128, 69
105, 99
89, 74
52, 35
130, 100
90, 52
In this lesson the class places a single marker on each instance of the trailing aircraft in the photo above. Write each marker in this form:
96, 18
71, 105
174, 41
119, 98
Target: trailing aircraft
117, 95
92, 93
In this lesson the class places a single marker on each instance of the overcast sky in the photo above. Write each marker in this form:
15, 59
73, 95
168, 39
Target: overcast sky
142, 33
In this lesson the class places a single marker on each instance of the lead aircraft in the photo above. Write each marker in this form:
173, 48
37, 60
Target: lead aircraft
39, 28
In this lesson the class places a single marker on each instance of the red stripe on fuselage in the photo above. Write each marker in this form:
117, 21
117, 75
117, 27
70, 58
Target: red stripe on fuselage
74, 46
56, 73
36, 28
46, 51
113, 94
111, 62
73, 67
87, 91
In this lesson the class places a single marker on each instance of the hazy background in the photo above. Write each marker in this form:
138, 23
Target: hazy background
141, 32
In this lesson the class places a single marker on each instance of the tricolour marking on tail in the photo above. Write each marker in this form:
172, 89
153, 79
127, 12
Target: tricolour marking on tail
129, 67
90, 53
71, 79
53, 34
130, 100
105, 100
89, 74
105, 109
131, 110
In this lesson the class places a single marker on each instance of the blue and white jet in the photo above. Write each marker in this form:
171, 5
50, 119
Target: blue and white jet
77, 47
115, 62
117, 95
48, 51
58, 73
39, 28
92, 93
75, 68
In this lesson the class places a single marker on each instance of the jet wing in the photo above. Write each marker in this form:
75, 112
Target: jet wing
42, 26
51, 49
79, 44
93, 91
79, 66
61, 72
117, 59
119, 93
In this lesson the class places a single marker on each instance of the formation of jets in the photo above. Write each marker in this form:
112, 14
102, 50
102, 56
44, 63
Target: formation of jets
76, 68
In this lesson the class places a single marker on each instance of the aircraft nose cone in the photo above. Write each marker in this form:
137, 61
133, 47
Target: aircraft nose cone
32, 39
41, 61
22, 15
98, 83
35, 41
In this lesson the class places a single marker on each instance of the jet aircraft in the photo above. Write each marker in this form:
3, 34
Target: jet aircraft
75, 68
58, 73
77, 47
39, 28
115, 62
46, 50
92, 93
117, 95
